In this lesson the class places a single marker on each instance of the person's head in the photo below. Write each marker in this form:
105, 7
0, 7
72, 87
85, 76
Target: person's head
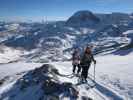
76, 50
88, 50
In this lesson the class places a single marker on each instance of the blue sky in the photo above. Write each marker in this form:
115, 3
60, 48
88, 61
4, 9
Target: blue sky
58, 9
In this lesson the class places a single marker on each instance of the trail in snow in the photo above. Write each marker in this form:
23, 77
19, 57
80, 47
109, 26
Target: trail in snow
108, 93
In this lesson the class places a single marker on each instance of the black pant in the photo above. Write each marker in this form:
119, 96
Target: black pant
74, 68
85, 69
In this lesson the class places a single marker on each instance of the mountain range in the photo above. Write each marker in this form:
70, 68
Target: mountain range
56, 40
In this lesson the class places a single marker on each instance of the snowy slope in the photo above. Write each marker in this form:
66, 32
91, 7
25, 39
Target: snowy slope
113, 78
14, 68
8, 55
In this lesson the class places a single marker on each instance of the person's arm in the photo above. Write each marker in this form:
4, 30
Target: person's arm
79, 56
93, 59
82, 59
72, 58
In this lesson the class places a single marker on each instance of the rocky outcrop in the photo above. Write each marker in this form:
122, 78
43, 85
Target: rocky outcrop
41, 84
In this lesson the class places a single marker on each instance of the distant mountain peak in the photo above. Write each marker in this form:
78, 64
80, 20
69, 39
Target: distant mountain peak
82, 18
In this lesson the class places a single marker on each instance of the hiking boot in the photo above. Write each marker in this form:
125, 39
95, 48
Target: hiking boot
85, 80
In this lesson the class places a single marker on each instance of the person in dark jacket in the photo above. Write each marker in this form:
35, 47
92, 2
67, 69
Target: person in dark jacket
76, 60
85, 63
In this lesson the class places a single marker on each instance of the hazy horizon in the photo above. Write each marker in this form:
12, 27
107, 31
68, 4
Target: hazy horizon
54, 10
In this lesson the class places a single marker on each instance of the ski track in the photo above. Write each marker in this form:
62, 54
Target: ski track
107, 92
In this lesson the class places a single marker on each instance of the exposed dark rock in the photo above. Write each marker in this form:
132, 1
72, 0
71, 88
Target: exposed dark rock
86, 98
46, 79
3, 80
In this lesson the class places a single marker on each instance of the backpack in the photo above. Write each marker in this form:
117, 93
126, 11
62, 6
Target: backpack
86, 59
76, 59
76, 56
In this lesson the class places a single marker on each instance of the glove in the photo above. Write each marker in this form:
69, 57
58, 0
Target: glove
94, 61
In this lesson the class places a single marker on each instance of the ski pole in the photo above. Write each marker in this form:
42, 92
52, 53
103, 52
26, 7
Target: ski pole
94, 72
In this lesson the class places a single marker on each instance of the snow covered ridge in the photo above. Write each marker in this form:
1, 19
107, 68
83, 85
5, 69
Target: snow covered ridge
39, 84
